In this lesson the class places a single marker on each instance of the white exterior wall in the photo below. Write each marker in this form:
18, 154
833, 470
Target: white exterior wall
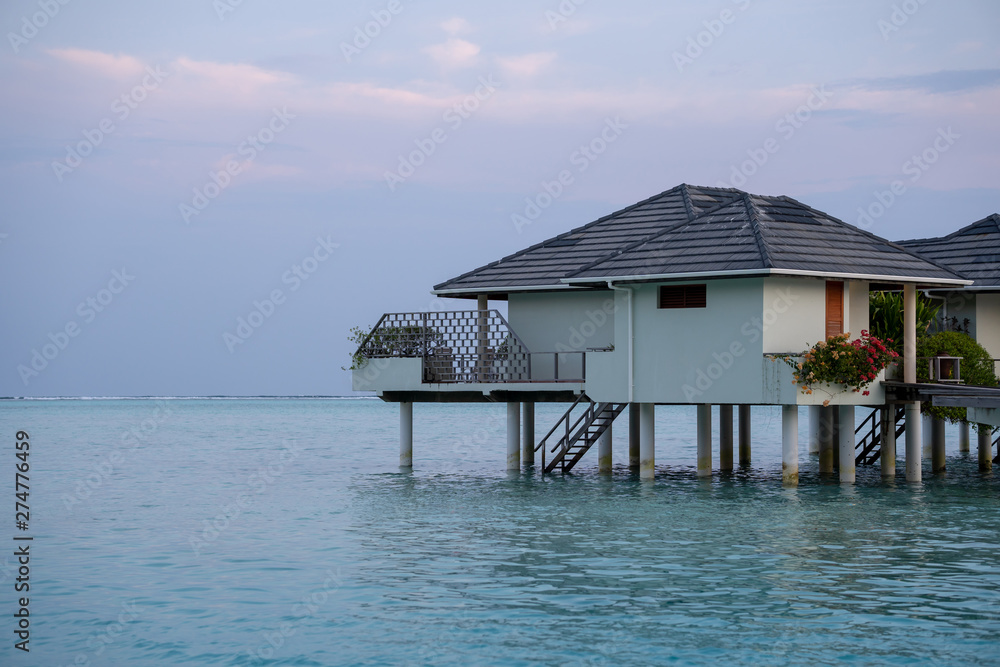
857, 316
987, 322
794, 314
563, 321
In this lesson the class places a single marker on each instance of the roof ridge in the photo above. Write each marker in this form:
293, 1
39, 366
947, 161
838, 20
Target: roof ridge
873, 236
753, 215
688, 206
662, 232
542, 244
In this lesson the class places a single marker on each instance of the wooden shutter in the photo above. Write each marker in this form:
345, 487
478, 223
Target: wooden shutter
834, 308
682, 296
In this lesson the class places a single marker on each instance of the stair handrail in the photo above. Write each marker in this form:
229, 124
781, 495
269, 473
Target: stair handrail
573, 430
541, 443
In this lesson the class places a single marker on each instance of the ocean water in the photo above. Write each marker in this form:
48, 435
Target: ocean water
281, 532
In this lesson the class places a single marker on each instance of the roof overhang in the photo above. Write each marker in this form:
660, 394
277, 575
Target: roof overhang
472, 292
751, 273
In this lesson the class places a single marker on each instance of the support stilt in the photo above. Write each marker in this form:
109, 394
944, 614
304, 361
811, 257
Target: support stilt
790, 445
815, 424
835, 428
528, 434
406, 435
847, 443
604, 452
704, 440
887, 446
927, 435
745, 435
647, 440
985, 437
963, 437
513, 436
726, 438
937, 445
914, 470
633, 436
826, 441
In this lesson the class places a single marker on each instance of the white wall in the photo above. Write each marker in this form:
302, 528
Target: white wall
858, 314
794, 313
987, 322
562, 321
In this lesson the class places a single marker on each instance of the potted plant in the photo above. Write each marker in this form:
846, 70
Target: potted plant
851, 364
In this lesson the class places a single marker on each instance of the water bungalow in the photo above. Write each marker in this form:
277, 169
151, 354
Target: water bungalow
694, 296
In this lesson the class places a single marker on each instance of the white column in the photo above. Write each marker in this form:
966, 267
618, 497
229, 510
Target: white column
726, 437
815, 424
513, 436
847, 443
937, 445
406, 435
604, 452
745, 435
926, 434
528, 433
647, 440
633, 436
909, 333
887, 455
790, 445
482, 336
826, 443
963, 437
985, 437
704, 440
914, 472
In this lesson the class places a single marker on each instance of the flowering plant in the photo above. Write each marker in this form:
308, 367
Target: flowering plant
838, 360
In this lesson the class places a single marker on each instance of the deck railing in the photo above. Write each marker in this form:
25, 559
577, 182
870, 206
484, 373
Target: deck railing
468, 346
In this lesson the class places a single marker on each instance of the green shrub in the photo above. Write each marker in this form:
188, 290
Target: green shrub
976, 368
886, 313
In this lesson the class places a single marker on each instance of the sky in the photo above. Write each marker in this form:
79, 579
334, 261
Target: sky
203, 197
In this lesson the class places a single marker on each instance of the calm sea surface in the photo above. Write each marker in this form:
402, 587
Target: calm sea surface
281, 532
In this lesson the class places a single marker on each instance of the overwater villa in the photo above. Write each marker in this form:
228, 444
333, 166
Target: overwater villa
696, 296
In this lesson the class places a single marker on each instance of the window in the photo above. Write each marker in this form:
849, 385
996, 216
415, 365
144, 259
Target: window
682, 296
834, 308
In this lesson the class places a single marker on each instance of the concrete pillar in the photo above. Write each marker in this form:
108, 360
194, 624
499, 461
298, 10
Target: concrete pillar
826, 441
647, 440
513, 436
926, 434
847, 444
835, 429
790, 445
704, 440
937, 445
633, 436
909, 335
406, 435
528, 433
745, 435
815, 424
887, 455
914, 471
726, 437
604, 452
963, 437
985, 437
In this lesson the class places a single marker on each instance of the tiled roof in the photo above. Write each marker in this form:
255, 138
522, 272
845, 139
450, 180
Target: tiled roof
699, 230
973, 251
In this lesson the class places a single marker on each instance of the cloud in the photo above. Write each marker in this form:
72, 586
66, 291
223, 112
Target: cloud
527, 65
947, 81
454, 53
456, 26
97, 62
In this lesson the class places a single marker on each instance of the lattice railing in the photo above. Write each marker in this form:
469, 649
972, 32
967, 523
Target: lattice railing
468, 346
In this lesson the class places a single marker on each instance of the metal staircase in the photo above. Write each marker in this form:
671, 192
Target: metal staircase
578, 434
868, 445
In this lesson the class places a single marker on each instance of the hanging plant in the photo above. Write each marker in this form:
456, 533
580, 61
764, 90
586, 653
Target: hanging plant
840, 361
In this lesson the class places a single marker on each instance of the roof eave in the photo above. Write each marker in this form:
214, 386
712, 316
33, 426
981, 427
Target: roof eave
747, 273
472, 291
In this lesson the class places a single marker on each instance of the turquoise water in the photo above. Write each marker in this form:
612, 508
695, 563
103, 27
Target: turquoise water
281, 532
